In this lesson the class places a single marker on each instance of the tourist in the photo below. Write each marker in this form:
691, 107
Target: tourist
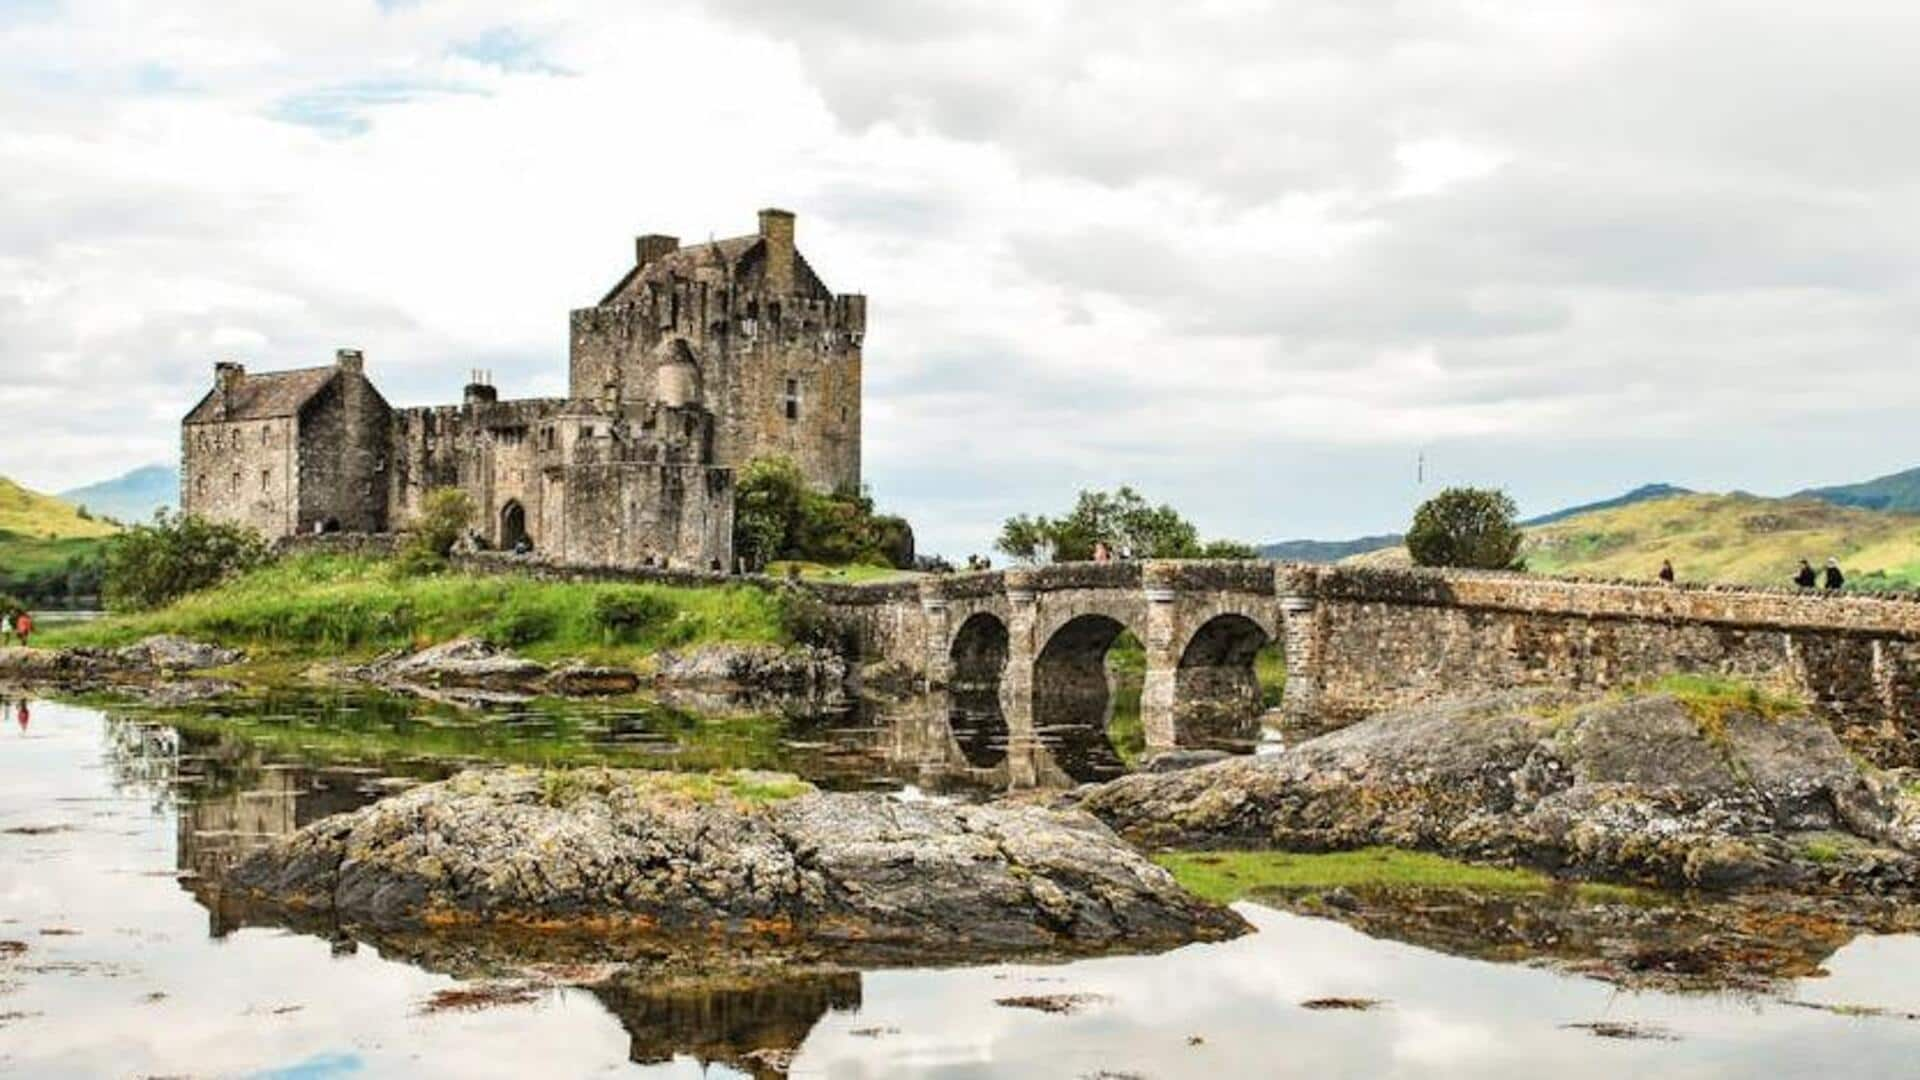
23, 628
6, 626
1666, 571
1102, 553
1806, 578
1835, 579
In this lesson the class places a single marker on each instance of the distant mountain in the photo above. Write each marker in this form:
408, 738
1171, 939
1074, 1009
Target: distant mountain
1327, 551
130, 498
1899, 492
1641, 494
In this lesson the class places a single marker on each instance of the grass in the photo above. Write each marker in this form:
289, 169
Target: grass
1710, 699
852, 574
1226, 876
29, 515
328, 606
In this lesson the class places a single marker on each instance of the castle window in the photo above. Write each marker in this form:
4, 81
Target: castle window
200, 486
793, 399
233, 484
266, 480
264, 430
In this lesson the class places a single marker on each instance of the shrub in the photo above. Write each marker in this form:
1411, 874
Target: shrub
444, 517
806, 619
149, 565
514, 626
626, 614
1469, 528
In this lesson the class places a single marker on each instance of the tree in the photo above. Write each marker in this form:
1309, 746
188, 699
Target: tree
150, 565
766, 507
1471, 528
776, 516
1123, 520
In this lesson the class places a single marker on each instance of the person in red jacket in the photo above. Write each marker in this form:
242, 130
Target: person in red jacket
23, 628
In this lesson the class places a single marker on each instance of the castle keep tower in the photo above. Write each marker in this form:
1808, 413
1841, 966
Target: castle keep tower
745, 325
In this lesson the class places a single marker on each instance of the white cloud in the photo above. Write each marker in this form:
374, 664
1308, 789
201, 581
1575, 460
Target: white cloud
1251, 256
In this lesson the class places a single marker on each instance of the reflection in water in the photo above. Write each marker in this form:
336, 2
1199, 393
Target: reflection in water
754, 1026
130, 982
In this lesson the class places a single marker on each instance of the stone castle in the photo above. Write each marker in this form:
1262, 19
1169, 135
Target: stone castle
698, 360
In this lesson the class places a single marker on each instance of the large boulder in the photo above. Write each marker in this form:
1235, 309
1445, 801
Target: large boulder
758, 667
1640, 787
170, 652
742, 857
466, 663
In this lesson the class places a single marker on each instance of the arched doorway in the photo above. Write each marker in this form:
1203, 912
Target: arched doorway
979, 657
1218, 687
513, 525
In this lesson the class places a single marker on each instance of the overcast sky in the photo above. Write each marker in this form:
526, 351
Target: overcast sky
1254, 258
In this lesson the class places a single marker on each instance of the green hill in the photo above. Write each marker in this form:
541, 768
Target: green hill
1899, 492
46, 546
1735, 539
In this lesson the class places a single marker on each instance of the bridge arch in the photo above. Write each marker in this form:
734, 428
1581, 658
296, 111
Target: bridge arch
1073, 695
1217, 694
978, 659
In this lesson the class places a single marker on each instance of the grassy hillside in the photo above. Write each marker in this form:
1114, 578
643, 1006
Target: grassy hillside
29, 515
1898, 492
330, 606
47, 549
1736, 539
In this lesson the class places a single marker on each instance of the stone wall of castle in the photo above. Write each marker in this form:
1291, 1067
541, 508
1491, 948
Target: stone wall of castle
343, 457
777, 355
244, 472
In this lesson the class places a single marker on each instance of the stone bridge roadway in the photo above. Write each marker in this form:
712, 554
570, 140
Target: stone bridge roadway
1362, 639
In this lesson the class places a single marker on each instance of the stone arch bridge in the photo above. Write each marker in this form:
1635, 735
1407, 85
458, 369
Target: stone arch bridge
1359, 640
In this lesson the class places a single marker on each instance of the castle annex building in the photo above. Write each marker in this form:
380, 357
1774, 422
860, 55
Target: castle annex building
698, 360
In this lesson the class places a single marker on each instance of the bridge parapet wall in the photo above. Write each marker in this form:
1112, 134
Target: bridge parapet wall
1365, 640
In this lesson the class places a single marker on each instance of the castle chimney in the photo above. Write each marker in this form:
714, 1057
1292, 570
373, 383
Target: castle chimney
227, 377
350, 360
652, 246
776, 231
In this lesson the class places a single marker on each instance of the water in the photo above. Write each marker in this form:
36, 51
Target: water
116, 969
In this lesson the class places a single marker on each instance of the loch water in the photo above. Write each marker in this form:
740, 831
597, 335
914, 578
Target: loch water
113, 819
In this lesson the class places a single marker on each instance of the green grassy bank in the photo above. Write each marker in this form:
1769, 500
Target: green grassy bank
1226, 876
330, 606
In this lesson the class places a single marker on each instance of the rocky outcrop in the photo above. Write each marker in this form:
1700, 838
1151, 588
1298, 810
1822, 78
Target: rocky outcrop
1640, 788
463, 663
761, 667
740, 858
144, 664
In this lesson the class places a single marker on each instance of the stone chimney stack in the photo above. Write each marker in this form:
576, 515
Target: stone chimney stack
652, 246
776, 229
227, 377
350, 361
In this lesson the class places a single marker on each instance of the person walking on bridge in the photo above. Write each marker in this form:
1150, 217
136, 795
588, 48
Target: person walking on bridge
1834, 579
1806, 578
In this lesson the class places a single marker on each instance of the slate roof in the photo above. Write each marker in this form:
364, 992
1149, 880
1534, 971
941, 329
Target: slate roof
722, 255
269, 394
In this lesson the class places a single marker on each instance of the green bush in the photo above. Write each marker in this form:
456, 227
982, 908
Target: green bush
151, 565
1468, 528
445, 514
807, 620
624, 615
516, 625
776, 517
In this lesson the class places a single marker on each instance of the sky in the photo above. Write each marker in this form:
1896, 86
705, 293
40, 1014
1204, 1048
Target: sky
1256, 259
